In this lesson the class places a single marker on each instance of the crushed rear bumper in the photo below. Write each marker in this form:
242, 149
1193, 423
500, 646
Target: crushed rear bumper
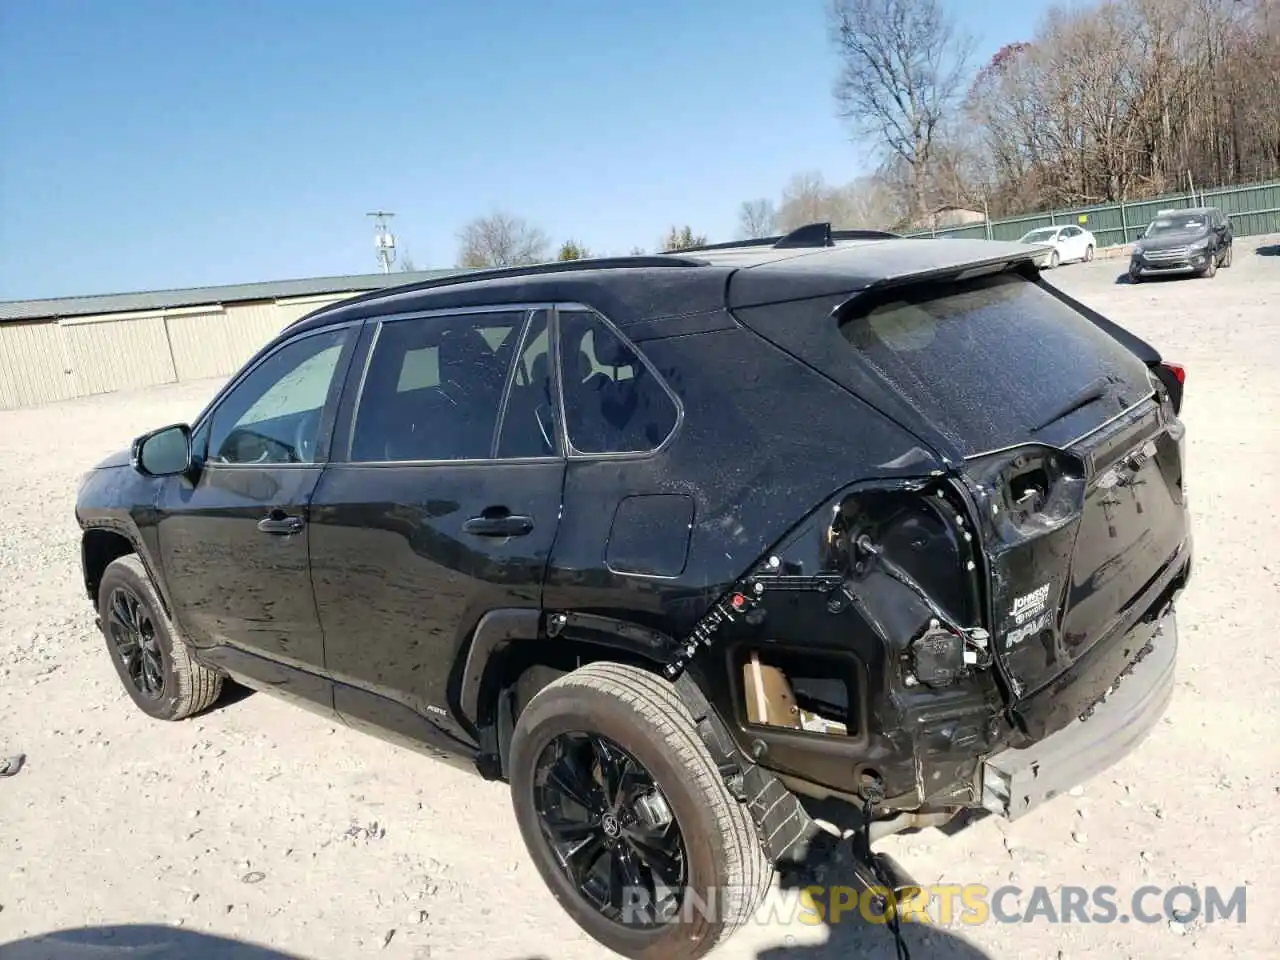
1016, 781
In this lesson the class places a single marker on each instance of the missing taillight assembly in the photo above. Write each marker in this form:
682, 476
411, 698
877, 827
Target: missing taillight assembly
1174, 378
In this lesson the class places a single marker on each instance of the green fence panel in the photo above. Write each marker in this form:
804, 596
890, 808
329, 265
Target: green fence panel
1253, 209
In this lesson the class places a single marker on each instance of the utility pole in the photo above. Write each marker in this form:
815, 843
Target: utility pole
383, 239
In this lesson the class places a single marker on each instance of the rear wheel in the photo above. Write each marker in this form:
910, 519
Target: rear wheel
627, 818
152, 662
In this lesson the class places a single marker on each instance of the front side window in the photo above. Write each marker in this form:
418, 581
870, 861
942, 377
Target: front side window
274, 415
613, 402
434, 387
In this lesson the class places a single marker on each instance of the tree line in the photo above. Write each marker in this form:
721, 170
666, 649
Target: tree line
1107, 101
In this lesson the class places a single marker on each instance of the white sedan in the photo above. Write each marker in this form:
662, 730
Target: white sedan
1063, 243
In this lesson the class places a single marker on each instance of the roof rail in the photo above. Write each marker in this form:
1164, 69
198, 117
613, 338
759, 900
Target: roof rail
529, 270
808, 236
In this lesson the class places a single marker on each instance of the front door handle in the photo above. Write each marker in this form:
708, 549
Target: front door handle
281, 525
493, 525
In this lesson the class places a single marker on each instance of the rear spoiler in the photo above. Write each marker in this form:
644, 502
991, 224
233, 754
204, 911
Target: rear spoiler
1024, 264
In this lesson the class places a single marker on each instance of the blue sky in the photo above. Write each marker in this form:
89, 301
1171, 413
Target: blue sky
148, 144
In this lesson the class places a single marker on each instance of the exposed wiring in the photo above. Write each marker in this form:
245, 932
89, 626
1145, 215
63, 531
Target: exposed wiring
892, 917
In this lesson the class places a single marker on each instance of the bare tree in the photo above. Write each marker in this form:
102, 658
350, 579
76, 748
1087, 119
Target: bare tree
756, 219
501, 240
873, 202
1122, 99
808, 198
902, 69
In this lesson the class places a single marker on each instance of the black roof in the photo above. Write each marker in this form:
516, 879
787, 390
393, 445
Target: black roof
633, 290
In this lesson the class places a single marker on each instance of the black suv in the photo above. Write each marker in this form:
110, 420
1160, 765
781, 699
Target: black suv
684, 547
1195, 241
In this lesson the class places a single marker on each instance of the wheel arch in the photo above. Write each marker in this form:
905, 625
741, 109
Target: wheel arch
102, 544
99, 546
510, 644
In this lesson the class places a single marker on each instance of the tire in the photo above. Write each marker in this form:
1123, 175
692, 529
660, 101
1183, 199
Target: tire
166, 683
1054, 259
627, 709
1211, 268
1226, 257
1135, 275
1088, 253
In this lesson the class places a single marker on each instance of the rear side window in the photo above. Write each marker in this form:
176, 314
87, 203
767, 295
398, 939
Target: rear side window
613, 402
434, 387
996, 361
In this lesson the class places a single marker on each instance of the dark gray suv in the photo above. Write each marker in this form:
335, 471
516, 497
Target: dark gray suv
1195, 241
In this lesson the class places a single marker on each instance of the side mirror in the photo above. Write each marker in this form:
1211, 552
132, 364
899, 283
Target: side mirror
163, 453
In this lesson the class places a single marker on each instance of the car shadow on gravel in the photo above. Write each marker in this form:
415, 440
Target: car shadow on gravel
1271, 250
153, 941
828, 865
232, 693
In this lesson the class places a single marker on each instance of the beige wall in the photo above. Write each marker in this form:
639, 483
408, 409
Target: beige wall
32, 367
43, 361
108, 354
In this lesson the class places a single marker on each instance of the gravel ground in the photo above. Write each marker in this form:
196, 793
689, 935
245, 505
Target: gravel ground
268, 825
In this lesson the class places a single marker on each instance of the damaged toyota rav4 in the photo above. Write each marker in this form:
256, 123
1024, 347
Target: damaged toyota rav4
686, 549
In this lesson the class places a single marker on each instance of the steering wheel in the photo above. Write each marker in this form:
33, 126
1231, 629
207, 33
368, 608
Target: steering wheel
306, 437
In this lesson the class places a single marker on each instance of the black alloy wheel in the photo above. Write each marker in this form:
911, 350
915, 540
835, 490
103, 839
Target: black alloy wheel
155, 666
611, 829
135, 643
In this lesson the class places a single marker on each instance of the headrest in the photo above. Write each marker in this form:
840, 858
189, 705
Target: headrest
611, 352
541, 369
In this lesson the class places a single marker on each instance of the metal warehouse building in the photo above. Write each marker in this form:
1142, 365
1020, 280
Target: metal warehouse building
59, 349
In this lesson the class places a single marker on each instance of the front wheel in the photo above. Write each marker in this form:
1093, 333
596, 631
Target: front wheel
627, 818
1210, 268
1054, 259
153, 663
1226, 257
1088, 253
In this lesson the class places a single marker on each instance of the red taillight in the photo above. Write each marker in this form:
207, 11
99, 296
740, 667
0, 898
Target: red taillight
1179, 372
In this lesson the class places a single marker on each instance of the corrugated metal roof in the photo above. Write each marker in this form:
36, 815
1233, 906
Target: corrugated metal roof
198, 296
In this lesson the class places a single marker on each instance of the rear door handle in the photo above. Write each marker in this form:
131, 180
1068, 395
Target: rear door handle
281, 525
499, 526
